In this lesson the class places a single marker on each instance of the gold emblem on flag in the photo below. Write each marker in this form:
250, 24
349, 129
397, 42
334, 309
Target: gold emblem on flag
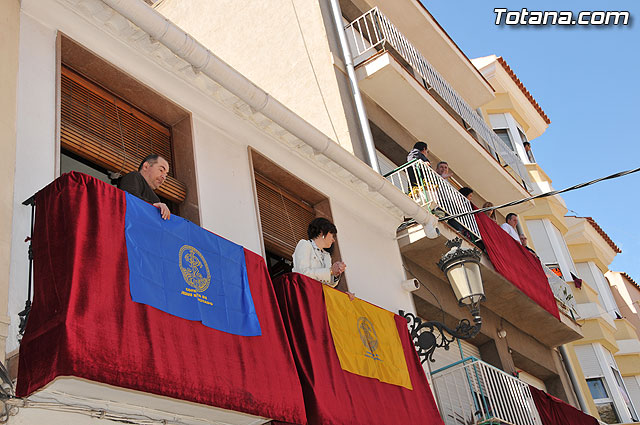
194, 267
368, 337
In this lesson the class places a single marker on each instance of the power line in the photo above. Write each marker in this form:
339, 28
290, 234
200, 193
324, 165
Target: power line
543, 195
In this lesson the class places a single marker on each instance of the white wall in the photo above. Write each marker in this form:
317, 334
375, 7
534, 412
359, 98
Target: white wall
35, 150
366, 229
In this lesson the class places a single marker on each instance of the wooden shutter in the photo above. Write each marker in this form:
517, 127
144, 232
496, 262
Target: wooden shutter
284, 217
107, 131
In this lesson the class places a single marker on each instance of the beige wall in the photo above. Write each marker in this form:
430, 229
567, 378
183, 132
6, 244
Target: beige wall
286, 48
627, 296
9, 29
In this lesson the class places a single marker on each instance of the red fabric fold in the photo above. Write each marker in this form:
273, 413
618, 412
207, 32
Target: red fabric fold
83, 322
554, 411
516, 264
332, 395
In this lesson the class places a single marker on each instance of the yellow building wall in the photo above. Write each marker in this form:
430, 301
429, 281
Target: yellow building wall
9, 36
582, 382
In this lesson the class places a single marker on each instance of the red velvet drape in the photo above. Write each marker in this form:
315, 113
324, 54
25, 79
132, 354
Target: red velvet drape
83, 322
554, 411
333, 396
516, 264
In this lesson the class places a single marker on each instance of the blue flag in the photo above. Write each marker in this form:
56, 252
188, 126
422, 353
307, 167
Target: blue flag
185, 270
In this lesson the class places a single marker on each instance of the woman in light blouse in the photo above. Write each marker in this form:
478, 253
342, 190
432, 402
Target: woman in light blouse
311, 258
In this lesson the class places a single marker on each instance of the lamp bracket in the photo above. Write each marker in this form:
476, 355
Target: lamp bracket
427, 336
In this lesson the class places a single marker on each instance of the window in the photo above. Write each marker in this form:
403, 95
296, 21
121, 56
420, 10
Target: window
503, 133
109, 122
286, 206
283, 216
625, 394
529, 152
603, 401
110, 133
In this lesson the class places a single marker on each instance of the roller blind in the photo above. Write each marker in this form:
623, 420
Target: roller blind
107, 131
284, 217
588, 361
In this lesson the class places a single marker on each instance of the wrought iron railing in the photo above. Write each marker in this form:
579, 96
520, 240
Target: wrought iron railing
373, 32
431, 191
471, 391
562, 292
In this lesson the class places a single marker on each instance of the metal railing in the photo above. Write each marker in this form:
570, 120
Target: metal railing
431, 191
561, 291
471, 391
373, 32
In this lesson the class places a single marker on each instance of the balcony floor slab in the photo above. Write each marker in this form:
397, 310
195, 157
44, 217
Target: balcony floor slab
73, 391
503, 298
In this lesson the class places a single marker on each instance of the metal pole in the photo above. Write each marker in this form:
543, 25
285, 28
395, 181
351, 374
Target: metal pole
355, 91
573, 378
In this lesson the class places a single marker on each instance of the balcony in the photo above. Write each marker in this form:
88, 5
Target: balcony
563, 294
432, 192
473, 392
88, 343
395, 75
429, 190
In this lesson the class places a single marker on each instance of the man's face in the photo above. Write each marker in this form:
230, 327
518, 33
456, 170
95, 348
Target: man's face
513, 221
443, 169
156, 173
424, 152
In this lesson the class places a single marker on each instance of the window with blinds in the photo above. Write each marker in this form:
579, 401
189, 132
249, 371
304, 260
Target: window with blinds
105, 130
284, 217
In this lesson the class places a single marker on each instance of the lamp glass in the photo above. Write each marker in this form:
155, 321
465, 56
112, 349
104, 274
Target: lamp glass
466, 282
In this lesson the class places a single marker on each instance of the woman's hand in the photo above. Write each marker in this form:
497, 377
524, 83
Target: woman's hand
338, 268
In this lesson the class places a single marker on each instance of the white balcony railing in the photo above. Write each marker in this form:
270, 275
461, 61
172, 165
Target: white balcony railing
562, 292
431, 191
373, 32
473, 392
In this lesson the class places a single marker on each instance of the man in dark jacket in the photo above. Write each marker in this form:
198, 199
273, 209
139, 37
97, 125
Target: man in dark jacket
151, 173
419, 151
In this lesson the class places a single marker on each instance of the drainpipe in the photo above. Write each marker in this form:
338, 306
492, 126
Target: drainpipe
186, 47
573, 378
353, 83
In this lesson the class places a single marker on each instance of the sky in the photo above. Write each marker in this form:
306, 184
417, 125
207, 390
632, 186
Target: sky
587, 81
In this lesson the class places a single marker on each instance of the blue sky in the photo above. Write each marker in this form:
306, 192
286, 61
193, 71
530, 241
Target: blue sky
587, 80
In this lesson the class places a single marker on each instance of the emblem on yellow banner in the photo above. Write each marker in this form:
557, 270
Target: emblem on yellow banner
366, 339
368, 336
194, 268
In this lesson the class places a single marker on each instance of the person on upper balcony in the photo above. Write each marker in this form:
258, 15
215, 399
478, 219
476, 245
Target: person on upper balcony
151, 173
466, 192
443, 170
419, 151
312, 258
511, 227
491, 213
529, 152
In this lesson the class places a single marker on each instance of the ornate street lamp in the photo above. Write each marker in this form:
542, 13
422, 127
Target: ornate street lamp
461, 266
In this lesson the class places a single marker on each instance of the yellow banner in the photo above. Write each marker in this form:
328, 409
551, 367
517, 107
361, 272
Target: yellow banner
366, 339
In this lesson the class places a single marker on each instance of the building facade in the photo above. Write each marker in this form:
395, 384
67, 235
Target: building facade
254, 108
